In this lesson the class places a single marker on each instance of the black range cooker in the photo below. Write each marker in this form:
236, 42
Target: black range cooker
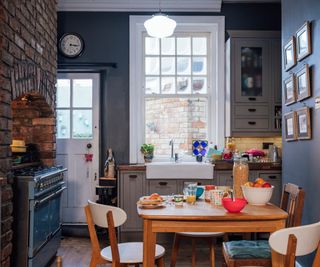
37, 202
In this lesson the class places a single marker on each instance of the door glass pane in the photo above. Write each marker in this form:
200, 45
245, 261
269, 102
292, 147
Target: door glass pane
184, 65
168, 46
184, 85
152, 85
251, 71
63, 93
82, 124
184, 46
152, 66
199, 85
199, 66
199, 46
82, 93
168, 85
63, 124
168, 66
152, 46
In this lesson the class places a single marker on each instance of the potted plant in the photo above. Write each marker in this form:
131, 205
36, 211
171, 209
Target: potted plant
147, 151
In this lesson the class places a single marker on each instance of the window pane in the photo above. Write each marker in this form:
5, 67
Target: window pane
152, 66
199, 46
63, 93
168, 46
184, 65
199, 85
184, 85
182, 119
82, 124
152, 85
199, 66
168, 85
168, 66
184, 46
82, 93
63, 124
152, 46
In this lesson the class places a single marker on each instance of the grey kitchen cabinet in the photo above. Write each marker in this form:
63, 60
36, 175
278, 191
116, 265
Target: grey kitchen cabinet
162, 187
253, 83
132, 186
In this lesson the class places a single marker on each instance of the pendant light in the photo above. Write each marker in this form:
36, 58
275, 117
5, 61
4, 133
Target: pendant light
160, 25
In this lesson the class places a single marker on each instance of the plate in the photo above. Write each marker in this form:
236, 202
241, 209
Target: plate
150, 206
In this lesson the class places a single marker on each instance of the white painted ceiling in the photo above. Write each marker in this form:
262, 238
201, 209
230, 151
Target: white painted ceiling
149, 5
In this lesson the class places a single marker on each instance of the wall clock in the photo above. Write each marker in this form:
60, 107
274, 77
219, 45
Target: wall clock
71, 45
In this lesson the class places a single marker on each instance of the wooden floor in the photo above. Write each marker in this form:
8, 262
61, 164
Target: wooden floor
76, 252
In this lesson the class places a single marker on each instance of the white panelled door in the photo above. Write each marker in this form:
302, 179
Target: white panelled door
78, 137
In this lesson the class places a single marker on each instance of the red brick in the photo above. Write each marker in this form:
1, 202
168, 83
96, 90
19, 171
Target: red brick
6, 193
6, 238
6, 224
44, 121
6, 210
6, 251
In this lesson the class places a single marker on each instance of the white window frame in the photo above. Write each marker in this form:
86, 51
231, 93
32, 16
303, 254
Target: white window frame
215, 25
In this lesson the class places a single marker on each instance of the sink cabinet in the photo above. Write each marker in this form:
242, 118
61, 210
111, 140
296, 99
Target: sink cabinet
253, 83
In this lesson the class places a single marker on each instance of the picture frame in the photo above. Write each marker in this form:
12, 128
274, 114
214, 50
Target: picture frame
303, 83
290, 90
290, 123
303, 123
303, 37
289, 53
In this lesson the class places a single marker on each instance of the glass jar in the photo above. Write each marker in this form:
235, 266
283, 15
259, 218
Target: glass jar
240, 175
207, 192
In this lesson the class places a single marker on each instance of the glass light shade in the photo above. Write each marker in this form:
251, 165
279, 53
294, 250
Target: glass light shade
160, 26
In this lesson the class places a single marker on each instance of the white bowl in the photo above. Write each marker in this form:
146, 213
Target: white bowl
257, 195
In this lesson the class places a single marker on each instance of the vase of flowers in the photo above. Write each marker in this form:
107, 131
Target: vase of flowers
147, 151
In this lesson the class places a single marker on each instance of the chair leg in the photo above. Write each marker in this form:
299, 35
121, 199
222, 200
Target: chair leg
175, 249
212, 254
137, 265
193, 253
160, 262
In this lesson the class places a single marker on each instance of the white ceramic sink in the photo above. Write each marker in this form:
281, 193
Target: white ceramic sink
180, 170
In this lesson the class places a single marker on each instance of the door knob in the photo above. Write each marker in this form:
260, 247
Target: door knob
89, 145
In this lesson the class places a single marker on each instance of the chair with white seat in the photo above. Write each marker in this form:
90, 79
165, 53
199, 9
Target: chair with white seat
295, 241
122, 254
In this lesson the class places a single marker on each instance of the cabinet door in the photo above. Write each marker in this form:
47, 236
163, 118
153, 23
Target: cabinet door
131, 188
183, 183
162, 187
225, 178
252, 63
275, 180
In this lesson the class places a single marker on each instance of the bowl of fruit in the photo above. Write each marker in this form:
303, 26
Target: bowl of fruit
258, 192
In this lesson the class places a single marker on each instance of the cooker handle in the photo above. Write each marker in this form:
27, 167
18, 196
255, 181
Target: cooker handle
38, 202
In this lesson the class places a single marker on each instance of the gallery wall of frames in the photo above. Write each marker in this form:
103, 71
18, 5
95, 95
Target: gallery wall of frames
297, 86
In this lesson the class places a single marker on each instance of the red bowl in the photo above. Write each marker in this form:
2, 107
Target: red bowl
234, 206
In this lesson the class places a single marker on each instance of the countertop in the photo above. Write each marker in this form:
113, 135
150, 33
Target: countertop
219, 166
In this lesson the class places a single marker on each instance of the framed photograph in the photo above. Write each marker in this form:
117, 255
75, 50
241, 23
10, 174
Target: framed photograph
290, 123
303, 83
304, 124
289, 53
303, 37
290, 92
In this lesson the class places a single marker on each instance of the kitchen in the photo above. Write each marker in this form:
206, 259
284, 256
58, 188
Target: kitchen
106, 37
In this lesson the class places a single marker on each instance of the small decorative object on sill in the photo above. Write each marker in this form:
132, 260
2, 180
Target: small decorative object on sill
240, 175
147, 151
109, 166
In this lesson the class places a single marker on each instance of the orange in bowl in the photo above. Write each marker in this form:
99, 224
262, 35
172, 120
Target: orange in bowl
235, 205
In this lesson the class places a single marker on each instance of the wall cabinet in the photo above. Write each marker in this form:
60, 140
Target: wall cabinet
253, 83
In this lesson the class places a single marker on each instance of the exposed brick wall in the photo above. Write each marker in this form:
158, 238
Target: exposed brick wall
27, 67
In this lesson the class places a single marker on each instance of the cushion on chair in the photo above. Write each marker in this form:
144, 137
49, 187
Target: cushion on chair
130, 252
248, 249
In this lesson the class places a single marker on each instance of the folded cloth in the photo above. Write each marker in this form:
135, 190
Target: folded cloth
248, 249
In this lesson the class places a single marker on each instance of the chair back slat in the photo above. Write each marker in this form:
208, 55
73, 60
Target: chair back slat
292, 202
99, 211
113, 240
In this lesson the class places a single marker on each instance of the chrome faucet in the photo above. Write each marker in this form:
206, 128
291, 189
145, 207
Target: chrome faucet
171, 143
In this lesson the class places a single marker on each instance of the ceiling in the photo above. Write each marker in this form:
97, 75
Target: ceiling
150, 5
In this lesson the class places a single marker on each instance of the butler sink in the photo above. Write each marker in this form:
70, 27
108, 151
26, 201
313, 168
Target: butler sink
180, 170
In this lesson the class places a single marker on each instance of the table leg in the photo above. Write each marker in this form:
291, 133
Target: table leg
149, 244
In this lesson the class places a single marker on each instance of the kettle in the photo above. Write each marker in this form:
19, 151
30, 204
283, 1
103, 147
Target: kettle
273, 153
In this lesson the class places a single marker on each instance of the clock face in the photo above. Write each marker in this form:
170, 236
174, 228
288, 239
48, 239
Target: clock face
71, 45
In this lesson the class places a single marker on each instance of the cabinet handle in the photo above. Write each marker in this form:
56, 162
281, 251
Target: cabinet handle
133, 176
252, 98
199, 183
272, 177
163, 183
251, 122
252, 110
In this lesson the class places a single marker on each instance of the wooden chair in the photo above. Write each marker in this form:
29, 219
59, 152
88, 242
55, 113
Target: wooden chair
257, 252
295, 241
194, 236
119, 254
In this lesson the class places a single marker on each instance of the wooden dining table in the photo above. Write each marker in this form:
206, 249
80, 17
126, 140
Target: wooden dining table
205, 217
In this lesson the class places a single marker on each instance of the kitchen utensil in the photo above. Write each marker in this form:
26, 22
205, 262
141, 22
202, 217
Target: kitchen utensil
235, 205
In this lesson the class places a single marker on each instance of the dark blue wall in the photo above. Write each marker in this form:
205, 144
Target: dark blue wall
301, 163
106, 37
